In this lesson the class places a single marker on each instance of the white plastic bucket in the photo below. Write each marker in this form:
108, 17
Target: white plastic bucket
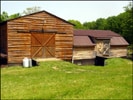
25, 62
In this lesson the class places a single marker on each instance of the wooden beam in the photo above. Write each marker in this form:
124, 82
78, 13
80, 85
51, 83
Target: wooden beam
40, 31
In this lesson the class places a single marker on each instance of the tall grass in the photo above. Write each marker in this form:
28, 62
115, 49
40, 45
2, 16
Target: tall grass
63, 80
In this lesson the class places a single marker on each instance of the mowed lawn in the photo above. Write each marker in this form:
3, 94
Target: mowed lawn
63, 80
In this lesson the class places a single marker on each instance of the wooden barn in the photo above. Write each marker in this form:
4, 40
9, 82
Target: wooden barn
90, 46
37, 35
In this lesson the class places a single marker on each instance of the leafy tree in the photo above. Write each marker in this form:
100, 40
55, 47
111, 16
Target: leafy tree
113, 24
89, 25
4, 16
31, 10
77, 24
128, 25
101, 24
14, 16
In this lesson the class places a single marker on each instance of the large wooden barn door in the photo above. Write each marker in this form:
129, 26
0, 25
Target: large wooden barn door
42, 45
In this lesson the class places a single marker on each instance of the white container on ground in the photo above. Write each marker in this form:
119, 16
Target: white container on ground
30, 62
25, 62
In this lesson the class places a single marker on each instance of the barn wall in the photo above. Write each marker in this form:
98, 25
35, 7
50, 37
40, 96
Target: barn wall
19, 44
83, 53
63, 37
64, 44
3, 38
118, 51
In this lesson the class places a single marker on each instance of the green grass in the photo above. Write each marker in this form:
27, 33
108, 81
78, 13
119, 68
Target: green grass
63, 80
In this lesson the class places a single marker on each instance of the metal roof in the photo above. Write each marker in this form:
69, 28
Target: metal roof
81, 37
95, 33
118, 41
83, 41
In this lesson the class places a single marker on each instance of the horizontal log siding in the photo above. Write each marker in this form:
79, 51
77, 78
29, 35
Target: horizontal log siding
118, 51
19, 44
64, 45
83, 53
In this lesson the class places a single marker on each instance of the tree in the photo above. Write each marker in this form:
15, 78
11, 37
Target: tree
129, 7
14, 16
31, 10
128, 25
101, 24
113, 24
4, 16
89, 25
77, 24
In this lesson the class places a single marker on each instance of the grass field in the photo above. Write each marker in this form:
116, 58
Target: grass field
63, 80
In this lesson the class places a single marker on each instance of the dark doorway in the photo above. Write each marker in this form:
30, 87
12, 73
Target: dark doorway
99, 61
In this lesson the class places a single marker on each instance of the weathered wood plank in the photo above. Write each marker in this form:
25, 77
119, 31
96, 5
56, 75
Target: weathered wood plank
119, 51
83, 53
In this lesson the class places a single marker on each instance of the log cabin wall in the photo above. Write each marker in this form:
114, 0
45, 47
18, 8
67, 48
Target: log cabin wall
83, 53
19, 36
118, 51
18, 43
63, 40
3, 38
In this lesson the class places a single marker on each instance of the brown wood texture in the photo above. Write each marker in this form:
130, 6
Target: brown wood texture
18, 47
19, 37
42, 45
118, 51
83, 53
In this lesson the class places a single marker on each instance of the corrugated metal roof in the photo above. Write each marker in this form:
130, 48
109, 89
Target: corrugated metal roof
81, 37
118, 41
83, 41
95, 33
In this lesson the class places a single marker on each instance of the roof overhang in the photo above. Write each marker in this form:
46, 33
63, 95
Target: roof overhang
103, 38
82, 41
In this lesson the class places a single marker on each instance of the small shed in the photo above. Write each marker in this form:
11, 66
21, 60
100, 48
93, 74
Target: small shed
90, 45
37, 35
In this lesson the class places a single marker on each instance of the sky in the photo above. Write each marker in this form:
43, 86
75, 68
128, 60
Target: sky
83, 11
